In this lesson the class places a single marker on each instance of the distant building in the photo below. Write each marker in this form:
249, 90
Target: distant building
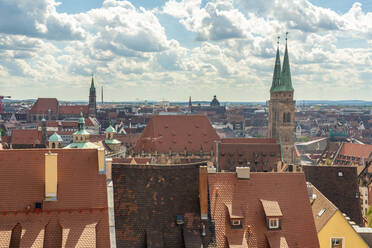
50, 108
215, 102
92, 106
260, 154
173, 138
282, 107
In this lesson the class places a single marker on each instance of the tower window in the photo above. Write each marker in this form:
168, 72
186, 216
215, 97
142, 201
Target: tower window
286, 117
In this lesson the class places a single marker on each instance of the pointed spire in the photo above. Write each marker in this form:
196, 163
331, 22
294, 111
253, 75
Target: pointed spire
285, 75
92, 83
277, 67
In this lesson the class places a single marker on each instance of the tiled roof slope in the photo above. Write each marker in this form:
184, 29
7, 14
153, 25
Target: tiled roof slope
42, 106
288, 189
323, 209
261, 157
78, 218
248, 140
356, 150
343, 191
73, 109
26, 136
177, 132
147, 200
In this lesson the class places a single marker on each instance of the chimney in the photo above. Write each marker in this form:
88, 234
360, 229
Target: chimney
203, 192
101, 161
108, 168
51, 170
243, 172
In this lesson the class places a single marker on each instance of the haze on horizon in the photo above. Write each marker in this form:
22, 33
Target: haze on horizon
155, 50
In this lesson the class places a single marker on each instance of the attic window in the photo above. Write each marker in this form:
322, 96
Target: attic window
235, 222
340, 174
321, 212
273, 223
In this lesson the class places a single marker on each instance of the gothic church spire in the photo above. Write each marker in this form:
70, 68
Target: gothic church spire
276, 75
285, 75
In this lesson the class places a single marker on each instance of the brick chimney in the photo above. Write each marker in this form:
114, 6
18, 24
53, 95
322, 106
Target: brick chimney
203, 192
51, 173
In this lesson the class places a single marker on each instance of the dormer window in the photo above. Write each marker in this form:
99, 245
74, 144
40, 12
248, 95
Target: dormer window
273, 214
235, 216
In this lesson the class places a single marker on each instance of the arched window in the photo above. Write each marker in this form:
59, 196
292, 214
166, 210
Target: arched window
53, 145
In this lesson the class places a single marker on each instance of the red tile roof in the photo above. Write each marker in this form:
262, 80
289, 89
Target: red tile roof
177, 132
356, 150
248, 140
288, 189
26, 136
260, 157
81, 200
73, 109
42, 105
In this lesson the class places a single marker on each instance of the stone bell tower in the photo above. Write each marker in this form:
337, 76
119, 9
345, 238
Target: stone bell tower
282, 108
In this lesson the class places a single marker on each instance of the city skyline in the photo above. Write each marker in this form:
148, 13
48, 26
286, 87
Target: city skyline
146, 50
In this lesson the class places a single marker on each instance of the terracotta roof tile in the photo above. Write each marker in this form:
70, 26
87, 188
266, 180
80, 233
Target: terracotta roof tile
297, 227
356, 150
276, 240
271, 208
26, 136
81, 198
259, 157
248, 140
42, 106
73, 109
323, 209
177, 132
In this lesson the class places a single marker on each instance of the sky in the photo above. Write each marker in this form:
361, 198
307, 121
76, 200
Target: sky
173, 49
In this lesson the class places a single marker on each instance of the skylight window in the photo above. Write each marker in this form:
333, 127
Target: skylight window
321, 212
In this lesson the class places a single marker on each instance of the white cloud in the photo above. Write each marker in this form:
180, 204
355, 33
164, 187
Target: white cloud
38, 18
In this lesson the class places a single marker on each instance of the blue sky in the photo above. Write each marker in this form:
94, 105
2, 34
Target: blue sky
154, 50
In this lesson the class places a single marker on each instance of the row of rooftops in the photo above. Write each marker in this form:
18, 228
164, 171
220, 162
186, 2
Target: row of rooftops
249, 209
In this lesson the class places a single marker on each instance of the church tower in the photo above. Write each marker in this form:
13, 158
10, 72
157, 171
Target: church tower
92, 106
282, 108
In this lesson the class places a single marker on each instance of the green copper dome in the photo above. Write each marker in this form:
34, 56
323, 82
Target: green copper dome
55, 138
110, 129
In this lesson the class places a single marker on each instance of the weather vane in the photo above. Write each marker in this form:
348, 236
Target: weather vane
286, 34
278, 40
